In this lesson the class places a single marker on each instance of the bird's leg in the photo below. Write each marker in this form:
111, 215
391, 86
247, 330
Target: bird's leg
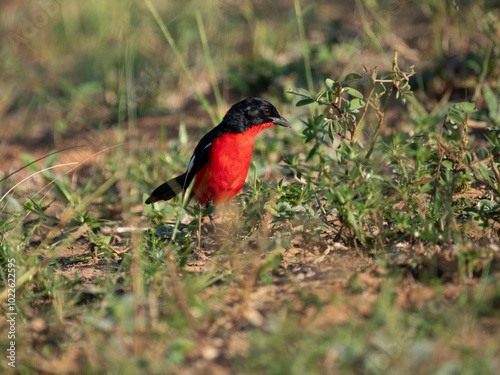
210, 215
199, 229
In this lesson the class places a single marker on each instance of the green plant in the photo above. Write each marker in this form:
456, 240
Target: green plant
425, 172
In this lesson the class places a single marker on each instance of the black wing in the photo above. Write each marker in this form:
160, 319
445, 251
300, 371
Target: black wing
200, 158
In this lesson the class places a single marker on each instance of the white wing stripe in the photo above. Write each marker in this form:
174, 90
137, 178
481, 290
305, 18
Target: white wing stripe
191, 163
190, 166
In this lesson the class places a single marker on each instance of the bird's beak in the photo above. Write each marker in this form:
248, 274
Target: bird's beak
281, 121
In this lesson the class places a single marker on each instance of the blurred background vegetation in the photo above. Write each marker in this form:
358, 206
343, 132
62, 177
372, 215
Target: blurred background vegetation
136, 83
68, 68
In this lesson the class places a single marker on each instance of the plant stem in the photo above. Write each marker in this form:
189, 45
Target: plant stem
210, 65
181, 61
386, 105
365, 109
305, 48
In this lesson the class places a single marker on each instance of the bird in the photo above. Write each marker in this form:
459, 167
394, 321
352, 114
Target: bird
220, 162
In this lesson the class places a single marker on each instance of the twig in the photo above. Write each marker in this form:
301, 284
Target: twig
438, 173
464, 168
362, 118
443, 146
496, 172
386, 106
365, 109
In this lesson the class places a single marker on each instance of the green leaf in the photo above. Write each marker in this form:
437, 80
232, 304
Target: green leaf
208, 211
311, 153
49, 162
353, 92
468, 157
331, 134
352, 77
491, 101
455, 118
196, 209
300, 92
27, 159
63, 189
329, 83
164, 231
329, 96
465, 107
92, 237
354, 104
448, 164
61, 126
302, 102
319, 119
482, 173
320, 95
483, 153
387, 75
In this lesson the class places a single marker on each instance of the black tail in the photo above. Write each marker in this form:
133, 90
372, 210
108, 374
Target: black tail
168, 190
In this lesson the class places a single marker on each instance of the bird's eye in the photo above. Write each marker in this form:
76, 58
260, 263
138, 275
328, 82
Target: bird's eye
267, 111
